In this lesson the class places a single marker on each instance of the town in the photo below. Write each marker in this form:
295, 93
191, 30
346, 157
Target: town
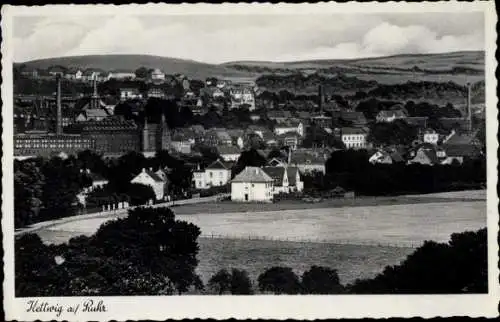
288, 153
231, 137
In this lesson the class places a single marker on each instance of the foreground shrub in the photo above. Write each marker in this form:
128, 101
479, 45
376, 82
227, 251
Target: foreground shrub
146, 253
279, 280
237, 282
457, 267
321, 280
240, 283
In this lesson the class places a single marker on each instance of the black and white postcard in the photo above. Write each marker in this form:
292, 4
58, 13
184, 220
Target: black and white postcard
300, 161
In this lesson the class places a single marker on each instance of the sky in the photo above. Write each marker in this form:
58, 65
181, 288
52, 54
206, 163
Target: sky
224, 38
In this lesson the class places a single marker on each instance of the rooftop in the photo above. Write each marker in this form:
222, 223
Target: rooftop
252, 174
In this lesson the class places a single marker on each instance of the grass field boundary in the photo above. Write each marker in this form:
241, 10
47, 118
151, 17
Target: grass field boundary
314, 240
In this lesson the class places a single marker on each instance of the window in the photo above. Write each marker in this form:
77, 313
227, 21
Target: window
210, 174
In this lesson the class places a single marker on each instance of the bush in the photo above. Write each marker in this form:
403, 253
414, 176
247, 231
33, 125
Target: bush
146, 253
279, 280
240, 283
237, 282
220, 282
321, 280
436, 268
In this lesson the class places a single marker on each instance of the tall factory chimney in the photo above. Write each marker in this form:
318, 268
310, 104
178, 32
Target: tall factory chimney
321, 98
469, 113
59, 129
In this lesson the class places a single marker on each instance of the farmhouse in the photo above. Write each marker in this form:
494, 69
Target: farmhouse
252, 184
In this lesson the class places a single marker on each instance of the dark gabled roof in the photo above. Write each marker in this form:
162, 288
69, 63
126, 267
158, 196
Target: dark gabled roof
292, 175
218, 164
276, 173
155, 177
352, 130
228, 149
461, 150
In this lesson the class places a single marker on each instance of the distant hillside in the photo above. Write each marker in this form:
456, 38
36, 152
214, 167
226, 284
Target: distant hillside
189, 68
458, 67
462, 61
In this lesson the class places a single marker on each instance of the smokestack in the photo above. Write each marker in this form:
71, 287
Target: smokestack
59, 129
321, 98
469, 113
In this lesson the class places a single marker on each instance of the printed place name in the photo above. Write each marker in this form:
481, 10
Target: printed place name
40, 306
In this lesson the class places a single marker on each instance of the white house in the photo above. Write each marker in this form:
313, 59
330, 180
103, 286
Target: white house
216, 174
252, 184
286, 179
431, 136
353, 138
157, 75
288, 127
121, 75
152, 179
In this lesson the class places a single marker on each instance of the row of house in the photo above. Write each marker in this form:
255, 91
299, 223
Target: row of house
454, 149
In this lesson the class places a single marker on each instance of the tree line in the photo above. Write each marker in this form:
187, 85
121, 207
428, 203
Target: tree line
46, 189
351, 170
151, 253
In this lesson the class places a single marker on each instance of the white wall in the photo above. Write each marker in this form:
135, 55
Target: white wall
354, 141
255, 191
217, 177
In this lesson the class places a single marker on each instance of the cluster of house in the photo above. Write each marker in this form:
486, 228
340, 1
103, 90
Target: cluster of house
433, 149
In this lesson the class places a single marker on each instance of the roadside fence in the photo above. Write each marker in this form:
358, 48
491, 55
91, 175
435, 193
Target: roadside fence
302, 239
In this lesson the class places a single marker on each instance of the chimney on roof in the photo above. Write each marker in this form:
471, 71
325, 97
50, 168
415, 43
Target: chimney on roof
59, 129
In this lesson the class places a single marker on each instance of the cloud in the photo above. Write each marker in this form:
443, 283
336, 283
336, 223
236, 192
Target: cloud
388, 39
216, 39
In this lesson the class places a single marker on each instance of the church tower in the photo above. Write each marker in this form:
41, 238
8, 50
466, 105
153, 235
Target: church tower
145, 135
164, 134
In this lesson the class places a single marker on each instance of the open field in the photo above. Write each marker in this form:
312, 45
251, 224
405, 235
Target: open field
369, 223
352, 239
255, 256
227, 206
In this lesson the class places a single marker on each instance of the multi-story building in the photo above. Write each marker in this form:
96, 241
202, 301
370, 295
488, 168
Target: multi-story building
353, 138
112, 136
242, 97
46, 144
252, 184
